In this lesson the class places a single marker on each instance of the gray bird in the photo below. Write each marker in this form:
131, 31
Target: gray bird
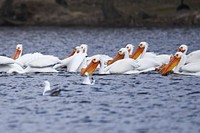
50, 92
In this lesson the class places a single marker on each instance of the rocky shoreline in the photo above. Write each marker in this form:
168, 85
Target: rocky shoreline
112, 13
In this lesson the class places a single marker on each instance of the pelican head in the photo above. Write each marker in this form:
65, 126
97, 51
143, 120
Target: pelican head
92, 66
84, 47
79, 50
19, 46
130, 48
183, 48
142, 47
18, 51
122, 53
74, 51
174, 61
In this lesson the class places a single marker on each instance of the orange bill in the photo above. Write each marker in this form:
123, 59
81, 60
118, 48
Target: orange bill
119, 56
160, 68
72, 53
137, 53
84, 50
129, 50
16, 54
90, 68
172, 63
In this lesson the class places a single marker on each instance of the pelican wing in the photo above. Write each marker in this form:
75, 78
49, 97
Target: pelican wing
193, 57
191, 67
44, 61
25, 59
146, 63
122, 66
5, 60
163, 59
149, 55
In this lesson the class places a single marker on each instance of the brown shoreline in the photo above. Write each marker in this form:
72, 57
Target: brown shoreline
94, 13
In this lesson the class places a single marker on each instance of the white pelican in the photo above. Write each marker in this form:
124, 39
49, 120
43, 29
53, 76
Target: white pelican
118, 67
24, 59
177, 64
75, 62
83, 58
141, 52
130, 48
50, 92
9, 65
18, 52
120, 55
65, 62
192, 57
44, 63
35, 62
144, 45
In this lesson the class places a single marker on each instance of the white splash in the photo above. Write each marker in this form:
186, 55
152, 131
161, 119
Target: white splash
87, 80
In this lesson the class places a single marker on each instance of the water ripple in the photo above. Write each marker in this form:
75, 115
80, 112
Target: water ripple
141, 103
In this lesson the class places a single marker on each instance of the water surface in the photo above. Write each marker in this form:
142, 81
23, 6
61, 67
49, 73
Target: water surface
141, 103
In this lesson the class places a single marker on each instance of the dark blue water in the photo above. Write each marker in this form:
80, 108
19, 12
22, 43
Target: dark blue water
141, 103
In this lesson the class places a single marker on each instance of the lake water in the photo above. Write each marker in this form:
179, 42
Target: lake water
140, 103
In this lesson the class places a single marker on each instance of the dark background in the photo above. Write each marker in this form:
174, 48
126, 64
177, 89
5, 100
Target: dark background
100, 13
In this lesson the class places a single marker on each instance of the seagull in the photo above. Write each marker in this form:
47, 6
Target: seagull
50, 92
87, 80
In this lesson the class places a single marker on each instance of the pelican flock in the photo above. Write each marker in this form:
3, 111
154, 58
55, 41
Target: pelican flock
126, 61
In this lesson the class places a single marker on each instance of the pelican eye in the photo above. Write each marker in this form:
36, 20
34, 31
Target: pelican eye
120, 52
94, 60
181, 49
140, 45
177, 56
